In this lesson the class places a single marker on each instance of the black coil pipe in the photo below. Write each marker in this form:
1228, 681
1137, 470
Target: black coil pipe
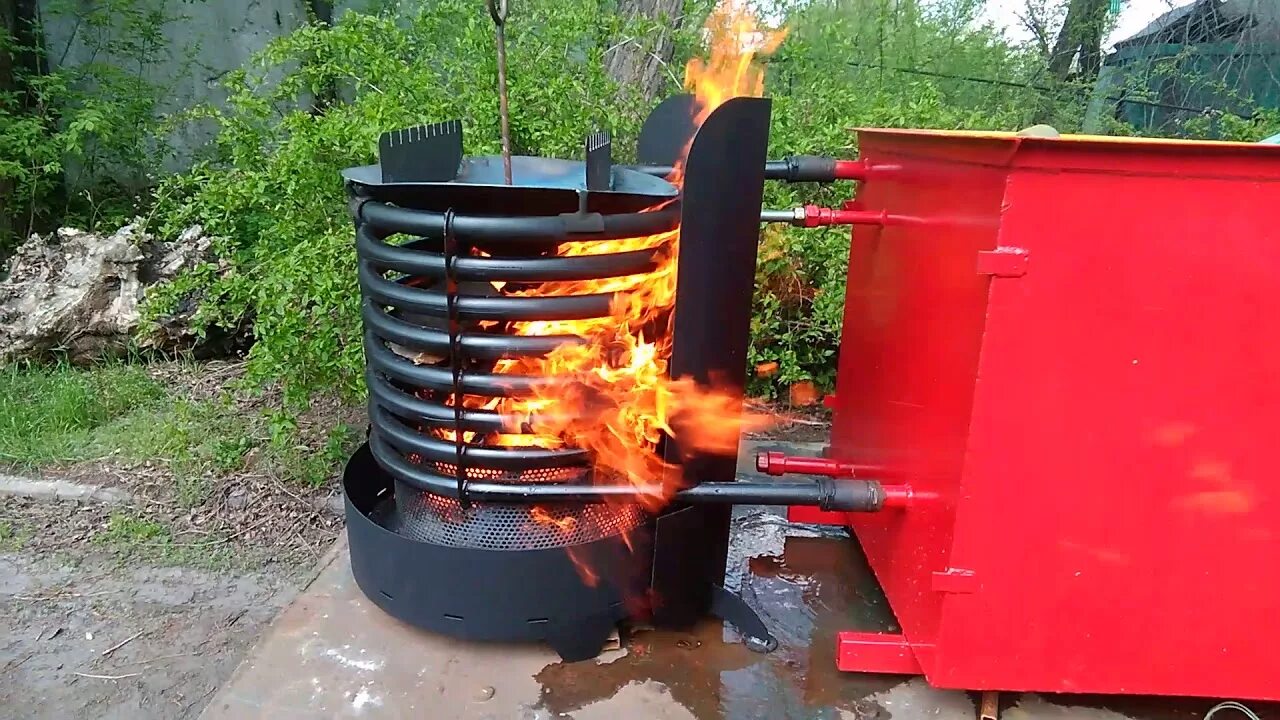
413, 259
417, 410
399, 436
477, 346
379, 357
824, 493
541, 229
474, 307
404, 404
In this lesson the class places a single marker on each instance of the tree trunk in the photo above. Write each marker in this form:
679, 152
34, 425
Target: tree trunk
642, 63
1081, 34
322, 12
8, 84
20, 57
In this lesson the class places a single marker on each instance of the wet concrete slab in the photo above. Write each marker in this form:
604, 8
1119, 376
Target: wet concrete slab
333, 654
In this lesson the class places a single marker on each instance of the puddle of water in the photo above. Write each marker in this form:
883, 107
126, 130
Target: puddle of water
806, 584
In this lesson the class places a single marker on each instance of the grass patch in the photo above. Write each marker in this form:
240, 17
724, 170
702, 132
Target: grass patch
134, 537
49, 414
129, 530
195, 439
11, 537
58, 415
314, 466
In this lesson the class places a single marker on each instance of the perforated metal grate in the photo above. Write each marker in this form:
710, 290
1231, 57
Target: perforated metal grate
535, 475
442, 521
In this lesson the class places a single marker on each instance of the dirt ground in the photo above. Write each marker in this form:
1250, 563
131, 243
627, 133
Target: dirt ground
117, 628
142, 610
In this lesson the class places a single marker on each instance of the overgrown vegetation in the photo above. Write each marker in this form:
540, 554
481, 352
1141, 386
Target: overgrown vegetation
53, 414
80, 130
61, 415
132, 536
315, 101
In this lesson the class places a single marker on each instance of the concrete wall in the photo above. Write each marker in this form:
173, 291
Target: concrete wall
208, 39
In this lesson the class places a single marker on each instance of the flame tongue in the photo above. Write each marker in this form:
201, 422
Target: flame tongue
734, 38
618, 400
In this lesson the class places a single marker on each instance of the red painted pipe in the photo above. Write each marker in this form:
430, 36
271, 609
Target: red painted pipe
776, 463
815, 216
897, 496
851, 170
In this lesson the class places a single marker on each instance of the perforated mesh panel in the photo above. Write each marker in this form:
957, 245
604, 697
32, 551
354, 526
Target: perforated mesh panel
442, 521
536, 475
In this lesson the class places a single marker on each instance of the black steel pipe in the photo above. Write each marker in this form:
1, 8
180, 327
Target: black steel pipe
793, 168
411, 259
823, 493
407, 440
474, 307
531, 229
780, 216
476, 346
382, 359
413, 408
404, 404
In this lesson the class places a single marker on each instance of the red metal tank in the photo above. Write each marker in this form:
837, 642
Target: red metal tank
1070, 349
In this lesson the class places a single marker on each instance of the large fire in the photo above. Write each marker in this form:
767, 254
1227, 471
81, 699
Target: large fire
622, 400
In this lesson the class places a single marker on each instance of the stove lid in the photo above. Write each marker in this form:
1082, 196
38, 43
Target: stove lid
424, 165
484, 175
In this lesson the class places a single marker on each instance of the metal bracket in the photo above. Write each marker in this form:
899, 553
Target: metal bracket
422, 153
956, 581
1004, 261
599, 163
734, 610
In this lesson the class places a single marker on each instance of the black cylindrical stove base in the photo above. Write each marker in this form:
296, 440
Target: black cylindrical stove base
570, 598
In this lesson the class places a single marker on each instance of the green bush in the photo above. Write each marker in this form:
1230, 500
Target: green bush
77, 142
840, 68
273, 193
272, 189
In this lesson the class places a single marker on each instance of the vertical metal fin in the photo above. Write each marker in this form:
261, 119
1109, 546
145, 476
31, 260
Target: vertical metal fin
599, 161
422, 153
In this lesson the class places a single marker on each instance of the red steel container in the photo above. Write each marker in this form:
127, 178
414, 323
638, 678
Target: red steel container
1070, 349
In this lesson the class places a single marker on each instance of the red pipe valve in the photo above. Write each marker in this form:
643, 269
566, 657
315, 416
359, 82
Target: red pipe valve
777, 463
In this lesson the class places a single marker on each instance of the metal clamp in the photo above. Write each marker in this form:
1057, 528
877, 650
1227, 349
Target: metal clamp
455, 352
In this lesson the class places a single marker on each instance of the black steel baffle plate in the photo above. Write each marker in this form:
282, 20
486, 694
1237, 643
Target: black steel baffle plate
545, 184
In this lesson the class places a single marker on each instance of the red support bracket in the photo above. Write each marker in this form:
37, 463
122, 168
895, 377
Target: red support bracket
955, 580
809, 515
1006, 262
884, 653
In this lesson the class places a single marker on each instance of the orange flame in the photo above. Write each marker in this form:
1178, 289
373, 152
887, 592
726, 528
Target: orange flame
589, 576
728, 72
619, 401
542, 517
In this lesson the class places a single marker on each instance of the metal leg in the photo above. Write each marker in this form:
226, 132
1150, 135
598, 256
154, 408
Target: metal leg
990, 709
582, 640
735, 611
